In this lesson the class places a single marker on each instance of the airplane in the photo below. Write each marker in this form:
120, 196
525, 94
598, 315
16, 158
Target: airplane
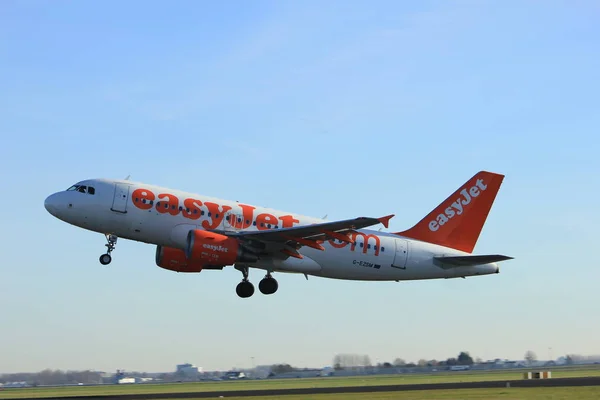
194, 232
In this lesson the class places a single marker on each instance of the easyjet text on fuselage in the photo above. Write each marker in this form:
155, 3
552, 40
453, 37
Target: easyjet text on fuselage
167, 203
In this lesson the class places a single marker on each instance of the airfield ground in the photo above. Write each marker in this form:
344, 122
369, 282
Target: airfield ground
579, 391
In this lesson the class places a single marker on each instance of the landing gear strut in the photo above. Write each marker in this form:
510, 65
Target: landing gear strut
268, 285
105, 259
245, 288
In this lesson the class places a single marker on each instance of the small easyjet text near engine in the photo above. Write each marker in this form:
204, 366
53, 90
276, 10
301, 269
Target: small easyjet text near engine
215, 249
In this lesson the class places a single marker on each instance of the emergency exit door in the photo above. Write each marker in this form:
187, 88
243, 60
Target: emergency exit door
401, 254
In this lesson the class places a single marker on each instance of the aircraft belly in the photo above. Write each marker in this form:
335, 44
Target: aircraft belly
344, 263
305, 265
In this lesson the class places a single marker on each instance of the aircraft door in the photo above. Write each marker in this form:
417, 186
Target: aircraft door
232, 221
120, 198
401, 254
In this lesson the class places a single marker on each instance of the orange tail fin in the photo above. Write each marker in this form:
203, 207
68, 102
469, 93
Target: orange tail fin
458, 220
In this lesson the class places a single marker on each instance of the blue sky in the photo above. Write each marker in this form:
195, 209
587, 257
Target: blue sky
339, 108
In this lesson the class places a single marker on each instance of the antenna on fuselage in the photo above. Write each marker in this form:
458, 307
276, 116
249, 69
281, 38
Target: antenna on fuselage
128, 176
324, 216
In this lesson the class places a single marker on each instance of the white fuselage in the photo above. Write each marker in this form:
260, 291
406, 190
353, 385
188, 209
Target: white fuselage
162, 216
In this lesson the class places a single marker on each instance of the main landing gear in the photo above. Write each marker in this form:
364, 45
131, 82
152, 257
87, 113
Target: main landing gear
105, 259
245, 289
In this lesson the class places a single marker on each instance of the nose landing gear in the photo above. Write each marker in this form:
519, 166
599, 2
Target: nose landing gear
105, 259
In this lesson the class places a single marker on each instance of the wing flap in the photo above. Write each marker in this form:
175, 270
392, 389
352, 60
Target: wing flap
314, 232
463, 261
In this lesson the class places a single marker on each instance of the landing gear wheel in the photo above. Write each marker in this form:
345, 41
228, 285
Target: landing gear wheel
105, 259
268, 285
245, 289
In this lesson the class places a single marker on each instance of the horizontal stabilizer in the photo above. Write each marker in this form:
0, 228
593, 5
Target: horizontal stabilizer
466, 261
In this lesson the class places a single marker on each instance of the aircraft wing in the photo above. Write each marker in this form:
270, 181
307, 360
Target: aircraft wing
462, 261
308, 235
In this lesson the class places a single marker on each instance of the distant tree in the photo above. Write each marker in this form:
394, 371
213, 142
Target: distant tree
478, 360
432, 363
464, 358
451, 361
281, 368
422, 362
387, 365
530, 356
398, 362
410, 365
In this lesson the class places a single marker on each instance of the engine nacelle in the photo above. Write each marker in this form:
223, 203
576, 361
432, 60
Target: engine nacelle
213, 249
175, 260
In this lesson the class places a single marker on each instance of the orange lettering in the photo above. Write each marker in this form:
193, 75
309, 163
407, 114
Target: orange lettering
142, 199
192, 208
366, 241
266, 221
216, 216
171, 205
287, 221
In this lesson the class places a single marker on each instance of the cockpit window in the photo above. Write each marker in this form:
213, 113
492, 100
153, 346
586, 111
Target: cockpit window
82, 189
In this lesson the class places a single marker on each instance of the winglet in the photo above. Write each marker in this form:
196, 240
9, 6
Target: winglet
386, 220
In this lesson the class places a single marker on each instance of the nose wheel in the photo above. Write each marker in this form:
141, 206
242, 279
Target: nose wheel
105, 259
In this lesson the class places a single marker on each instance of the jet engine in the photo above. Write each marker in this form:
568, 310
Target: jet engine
175, 260
213, 249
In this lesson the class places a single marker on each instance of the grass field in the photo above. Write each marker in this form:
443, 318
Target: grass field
560, 393
462, 376
577, 393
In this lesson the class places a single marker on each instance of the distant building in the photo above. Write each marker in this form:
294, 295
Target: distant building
188, 370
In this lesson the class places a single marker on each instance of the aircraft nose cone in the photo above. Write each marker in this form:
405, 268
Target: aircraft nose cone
50, 204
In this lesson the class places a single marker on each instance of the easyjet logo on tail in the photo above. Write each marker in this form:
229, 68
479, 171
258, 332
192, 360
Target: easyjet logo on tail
475, 197
459, 206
